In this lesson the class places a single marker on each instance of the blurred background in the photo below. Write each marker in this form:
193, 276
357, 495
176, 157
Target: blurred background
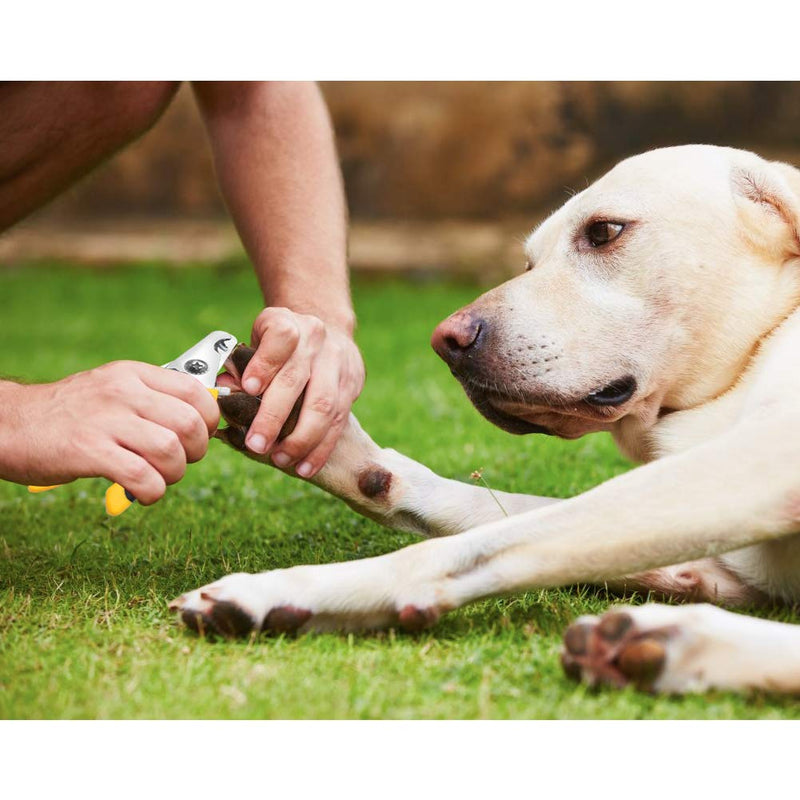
440, 177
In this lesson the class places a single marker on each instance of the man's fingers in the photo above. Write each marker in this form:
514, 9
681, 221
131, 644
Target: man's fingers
179, 417
314, 461
321, 412
159, 446
184, 387
136, 475
276, 335
276, 404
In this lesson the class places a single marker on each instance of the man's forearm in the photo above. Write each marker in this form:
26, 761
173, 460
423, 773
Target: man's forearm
9, 423
276, 162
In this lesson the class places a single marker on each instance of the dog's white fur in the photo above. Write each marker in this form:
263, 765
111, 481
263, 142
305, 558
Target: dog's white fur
697, 299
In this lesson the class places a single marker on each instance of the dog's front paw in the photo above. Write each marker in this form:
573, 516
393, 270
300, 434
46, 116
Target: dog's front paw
238, 605
332, 597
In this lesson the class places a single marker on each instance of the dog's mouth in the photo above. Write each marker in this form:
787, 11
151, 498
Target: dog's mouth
613, 394
550, 414
492, 409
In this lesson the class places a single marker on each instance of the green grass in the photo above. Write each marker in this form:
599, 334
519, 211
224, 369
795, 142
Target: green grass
84, 628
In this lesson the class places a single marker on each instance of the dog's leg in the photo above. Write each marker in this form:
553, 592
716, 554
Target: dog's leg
379, 482
706, 580
663, 513
401, 493
397, 491
678, 649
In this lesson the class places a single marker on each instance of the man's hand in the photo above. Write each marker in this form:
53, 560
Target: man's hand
297, 352
275, 157
132, 423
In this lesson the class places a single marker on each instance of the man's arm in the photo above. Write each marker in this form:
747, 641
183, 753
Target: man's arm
277, 167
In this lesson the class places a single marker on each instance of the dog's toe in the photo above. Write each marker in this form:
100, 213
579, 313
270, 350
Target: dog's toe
613, 626
285, 619
216, 618
229, 620
613, 651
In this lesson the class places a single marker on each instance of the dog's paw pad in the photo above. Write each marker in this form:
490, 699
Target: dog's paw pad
614, 651
643, 661
209, 612
285, 619
229, 620
413, 618
218, 618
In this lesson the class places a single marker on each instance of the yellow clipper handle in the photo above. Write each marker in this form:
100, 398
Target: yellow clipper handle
118, 499
39, 489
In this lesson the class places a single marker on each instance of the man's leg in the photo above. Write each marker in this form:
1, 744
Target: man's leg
53, 133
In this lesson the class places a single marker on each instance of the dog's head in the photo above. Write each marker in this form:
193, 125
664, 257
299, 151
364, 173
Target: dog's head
647, 291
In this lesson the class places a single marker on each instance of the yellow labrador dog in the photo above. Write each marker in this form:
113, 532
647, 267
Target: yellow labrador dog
661, 305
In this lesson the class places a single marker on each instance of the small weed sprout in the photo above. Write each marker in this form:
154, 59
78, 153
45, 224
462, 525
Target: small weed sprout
477, 476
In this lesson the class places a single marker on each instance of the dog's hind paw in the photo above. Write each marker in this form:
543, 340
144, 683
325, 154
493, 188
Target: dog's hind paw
658, 648
672, 649
614, 651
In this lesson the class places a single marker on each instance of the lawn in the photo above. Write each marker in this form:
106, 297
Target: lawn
84, 626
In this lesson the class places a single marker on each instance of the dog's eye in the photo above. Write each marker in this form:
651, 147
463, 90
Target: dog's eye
602, 232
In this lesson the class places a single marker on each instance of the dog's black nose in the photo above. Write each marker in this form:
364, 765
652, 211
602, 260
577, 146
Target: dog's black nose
458, 337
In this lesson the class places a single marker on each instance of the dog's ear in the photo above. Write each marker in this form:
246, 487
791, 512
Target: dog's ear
768, 200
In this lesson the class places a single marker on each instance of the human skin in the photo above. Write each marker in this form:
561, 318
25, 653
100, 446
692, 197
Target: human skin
289, 208
276, 162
